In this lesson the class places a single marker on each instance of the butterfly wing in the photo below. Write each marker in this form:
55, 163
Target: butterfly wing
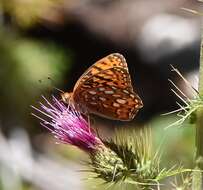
108, 93
110, 61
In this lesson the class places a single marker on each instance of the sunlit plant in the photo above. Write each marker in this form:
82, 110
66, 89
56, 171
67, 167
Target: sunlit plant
126, 159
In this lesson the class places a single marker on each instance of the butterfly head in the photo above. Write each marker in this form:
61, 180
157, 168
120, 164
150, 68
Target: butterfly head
66, 96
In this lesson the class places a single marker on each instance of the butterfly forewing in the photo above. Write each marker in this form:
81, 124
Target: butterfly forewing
110, 61
105, 89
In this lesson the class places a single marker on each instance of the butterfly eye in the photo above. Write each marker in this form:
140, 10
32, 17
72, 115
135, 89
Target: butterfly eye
66, 97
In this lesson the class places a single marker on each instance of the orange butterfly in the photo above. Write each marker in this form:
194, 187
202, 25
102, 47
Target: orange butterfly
105, 89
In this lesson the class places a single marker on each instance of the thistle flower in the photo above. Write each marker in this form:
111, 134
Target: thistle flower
127, 158
67, 125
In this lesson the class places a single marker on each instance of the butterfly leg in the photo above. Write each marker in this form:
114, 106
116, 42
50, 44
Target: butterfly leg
90, 121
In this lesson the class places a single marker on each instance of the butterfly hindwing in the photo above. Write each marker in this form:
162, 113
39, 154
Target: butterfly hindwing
121, 105
108, 93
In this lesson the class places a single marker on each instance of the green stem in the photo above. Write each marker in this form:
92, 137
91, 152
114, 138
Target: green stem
197, 177
199, 124
201, 64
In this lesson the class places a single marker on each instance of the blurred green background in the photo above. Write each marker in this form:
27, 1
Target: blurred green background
49, 43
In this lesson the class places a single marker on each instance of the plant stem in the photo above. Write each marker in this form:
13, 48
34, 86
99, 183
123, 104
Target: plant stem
199, 124
197, 177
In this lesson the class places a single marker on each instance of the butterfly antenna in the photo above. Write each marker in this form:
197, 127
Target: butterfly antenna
52, 81
58, 89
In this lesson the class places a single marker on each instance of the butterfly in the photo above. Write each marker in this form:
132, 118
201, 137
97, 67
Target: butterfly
105, 89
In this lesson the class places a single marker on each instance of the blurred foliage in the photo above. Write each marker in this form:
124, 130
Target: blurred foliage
177, 144
28, 68
47, 145
26, 13
36, 60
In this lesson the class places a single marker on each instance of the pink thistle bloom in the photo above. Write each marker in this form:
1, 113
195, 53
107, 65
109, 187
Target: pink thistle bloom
67, 125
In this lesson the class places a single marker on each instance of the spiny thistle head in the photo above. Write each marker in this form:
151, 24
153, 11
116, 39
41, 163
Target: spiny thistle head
129, 159
134, 149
